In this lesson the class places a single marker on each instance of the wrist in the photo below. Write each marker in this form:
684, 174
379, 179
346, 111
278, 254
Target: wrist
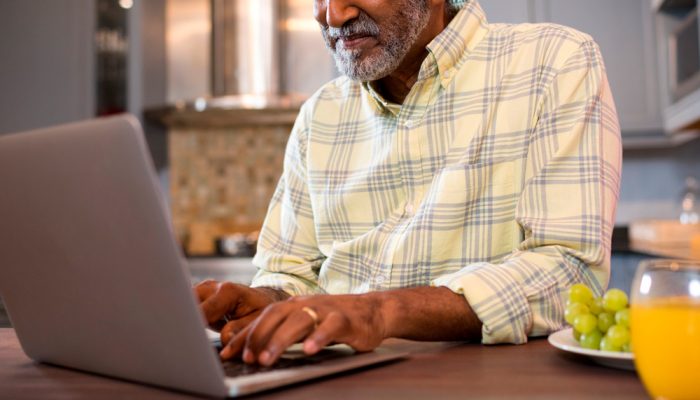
274, 295
386, 309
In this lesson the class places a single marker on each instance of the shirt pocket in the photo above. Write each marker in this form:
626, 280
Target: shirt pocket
476, 179
471, 212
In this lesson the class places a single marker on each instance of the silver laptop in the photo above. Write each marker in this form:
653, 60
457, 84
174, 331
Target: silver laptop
93, 279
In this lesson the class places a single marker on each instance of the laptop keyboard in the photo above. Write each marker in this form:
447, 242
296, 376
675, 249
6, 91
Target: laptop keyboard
288, 360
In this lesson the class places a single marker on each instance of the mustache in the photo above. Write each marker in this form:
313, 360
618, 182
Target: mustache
363, 25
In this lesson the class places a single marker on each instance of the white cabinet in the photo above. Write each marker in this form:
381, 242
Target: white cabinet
624, 30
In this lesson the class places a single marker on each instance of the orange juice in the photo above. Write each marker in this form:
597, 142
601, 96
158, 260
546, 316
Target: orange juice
666, 344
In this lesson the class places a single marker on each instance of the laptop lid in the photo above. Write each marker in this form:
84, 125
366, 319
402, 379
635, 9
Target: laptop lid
90, 273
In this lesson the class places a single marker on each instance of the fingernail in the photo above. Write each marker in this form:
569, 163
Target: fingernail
310, 347
225, 353
248, 356
265, 358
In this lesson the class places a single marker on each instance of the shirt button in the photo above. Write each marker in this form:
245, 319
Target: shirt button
447, 74
380, 279
411, 123
409, 209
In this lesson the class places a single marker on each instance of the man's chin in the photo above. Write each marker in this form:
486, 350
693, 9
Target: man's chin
361, 73
364, 76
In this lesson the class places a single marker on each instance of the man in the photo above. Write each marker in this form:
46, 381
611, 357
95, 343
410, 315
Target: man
451, 186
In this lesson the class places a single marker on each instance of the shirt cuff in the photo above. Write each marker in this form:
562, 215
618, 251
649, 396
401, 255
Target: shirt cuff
292, 285
500, 295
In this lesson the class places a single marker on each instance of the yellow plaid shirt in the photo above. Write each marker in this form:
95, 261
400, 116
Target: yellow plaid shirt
497, 177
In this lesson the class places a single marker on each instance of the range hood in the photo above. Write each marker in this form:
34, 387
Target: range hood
245, 48
243, 54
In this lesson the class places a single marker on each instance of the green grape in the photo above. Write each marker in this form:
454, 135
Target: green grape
606, 345
585, 323
618, 335
574, 309
622, 317
605, 321
591, 340
596, 306
580, 293
627, 347
576, 334
614, 300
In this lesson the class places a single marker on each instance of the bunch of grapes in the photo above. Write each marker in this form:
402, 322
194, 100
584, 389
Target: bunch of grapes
600, 323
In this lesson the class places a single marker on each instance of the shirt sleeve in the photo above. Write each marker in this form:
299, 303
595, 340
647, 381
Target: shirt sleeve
565, 211
287, 256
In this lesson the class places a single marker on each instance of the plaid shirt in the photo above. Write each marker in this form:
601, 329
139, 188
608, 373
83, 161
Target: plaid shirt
497, 177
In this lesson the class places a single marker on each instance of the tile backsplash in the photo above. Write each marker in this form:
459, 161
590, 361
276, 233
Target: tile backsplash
221, 181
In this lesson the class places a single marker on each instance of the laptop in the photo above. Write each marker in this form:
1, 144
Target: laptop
92, 277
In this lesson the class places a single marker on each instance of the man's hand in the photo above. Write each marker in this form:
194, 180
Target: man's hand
360, 321
230, 307
316, 320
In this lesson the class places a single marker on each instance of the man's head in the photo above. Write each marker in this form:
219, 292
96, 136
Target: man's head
369, 39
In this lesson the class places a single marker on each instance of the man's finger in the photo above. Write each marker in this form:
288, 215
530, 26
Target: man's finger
265, 326
333, 327
234, 346
294, 328
205, 289
234, 327
221, 303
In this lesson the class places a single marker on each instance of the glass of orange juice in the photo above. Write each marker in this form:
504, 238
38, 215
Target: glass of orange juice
665, 328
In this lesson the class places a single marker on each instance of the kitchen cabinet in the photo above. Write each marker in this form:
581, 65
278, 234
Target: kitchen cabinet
625, 32
507, 11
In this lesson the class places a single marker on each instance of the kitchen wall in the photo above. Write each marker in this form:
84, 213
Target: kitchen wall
46, 63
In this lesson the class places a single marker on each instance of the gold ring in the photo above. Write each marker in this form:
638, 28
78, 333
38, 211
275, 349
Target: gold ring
311, 313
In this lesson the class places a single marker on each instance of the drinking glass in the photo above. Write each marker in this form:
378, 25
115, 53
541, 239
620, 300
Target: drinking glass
665, 328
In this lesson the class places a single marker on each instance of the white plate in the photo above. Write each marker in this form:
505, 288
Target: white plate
564, 340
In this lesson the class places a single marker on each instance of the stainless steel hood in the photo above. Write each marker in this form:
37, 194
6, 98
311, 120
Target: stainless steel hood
245, 44
256, 53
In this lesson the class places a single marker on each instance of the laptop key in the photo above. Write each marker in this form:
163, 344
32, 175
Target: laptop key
239, 368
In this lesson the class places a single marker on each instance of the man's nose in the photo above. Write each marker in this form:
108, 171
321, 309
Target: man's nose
335, 13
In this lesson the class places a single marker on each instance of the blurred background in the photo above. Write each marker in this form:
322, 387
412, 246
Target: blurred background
217, 85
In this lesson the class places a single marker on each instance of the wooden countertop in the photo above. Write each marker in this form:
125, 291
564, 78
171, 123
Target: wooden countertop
433, 371
229, 112
678, 252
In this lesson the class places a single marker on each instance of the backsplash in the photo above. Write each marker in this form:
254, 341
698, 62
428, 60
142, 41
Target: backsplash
221, 181
224, 164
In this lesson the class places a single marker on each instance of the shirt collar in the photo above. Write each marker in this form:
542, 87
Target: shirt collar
458, 39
